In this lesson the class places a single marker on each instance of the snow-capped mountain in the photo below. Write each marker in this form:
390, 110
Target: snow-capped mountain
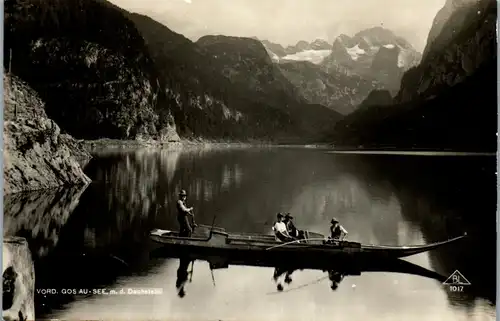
374, 53
342, 75
313, 52
338, 89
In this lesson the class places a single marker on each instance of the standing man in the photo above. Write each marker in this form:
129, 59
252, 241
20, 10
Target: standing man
183, 212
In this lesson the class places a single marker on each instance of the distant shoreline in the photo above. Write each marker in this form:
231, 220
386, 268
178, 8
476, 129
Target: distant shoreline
106, 144
411, 152
117, 144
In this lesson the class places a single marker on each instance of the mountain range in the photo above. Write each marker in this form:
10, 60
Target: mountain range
360, 54
341, 75
104, 72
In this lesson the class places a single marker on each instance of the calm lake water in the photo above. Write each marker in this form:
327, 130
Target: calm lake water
98, 237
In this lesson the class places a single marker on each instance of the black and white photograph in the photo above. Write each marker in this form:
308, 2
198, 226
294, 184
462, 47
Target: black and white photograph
250, 160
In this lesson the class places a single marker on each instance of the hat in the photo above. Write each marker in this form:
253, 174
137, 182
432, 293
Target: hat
334, 220
279, 215
288, 216
182, 193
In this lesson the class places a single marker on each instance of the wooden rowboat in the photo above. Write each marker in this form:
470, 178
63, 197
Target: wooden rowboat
215, 241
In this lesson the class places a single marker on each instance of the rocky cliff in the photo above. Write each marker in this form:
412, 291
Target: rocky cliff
449, 100
334, 89
89, 65
377, 98
442, 19
457, 47
36, 154
199, 105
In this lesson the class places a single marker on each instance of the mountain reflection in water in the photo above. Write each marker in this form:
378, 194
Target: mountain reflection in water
444, 196
39, 215
384, 199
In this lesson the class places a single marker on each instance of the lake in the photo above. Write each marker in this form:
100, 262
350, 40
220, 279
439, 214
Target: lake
97, 237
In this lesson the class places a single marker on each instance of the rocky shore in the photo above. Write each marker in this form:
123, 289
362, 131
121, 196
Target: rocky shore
37, 155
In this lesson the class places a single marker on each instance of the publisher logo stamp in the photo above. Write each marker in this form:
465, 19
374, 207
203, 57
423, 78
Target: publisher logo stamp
456, 282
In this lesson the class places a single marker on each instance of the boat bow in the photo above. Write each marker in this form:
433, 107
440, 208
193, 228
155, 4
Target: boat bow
402, 251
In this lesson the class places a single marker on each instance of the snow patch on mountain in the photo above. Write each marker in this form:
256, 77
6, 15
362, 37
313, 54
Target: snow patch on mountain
355, 52
314, 56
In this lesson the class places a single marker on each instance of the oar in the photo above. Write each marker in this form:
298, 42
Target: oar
194, 223
118, 259
191, 274
213, 223
301, 286
294, 241
213, 278
192, 216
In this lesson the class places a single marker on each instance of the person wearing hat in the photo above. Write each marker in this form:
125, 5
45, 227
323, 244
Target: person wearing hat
337, 230
292, 230
280, 230
183, 213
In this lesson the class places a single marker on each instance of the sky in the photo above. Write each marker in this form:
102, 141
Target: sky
288, 21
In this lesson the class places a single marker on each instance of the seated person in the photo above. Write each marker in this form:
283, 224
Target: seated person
280, 230
337, 231
292, 230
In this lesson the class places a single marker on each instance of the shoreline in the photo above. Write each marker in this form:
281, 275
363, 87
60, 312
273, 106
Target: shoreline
117, 144
106, 144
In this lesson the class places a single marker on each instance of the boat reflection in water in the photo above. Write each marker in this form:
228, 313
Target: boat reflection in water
334, 276
335, 270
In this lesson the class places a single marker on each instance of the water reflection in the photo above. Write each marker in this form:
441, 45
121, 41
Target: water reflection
335, 278
183, 274
335, 271
443, 197
104, 243
40, 215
